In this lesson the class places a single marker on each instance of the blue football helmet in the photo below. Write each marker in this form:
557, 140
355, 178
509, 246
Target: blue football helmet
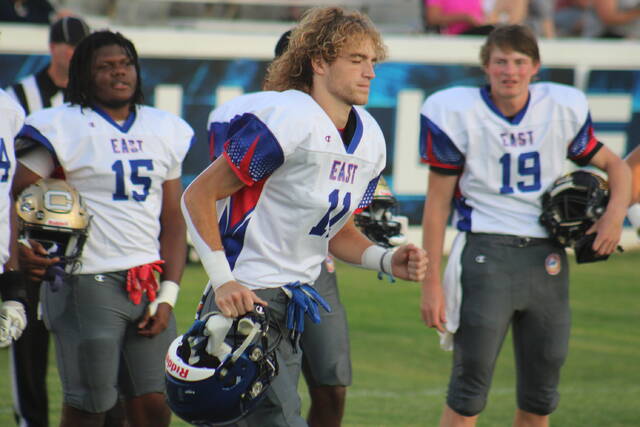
204, 390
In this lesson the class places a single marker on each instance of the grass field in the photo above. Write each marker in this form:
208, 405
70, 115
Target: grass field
400, 374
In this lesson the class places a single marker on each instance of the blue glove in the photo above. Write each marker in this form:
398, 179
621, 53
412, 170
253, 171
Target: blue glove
54, 276
303, 299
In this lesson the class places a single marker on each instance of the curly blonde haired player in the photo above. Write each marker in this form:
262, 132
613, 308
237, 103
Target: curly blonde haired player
264, 215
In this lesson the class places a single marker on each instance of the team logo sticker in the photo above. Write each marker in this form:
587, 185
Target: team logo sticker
553, 264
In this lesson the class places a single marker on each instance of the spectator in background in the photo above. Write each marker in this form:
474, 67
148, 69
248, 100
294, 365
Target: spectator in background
456, 16
536, 14
621, 18
577, 18
30, 354
539, 17
26, 11
45, 88
506, 11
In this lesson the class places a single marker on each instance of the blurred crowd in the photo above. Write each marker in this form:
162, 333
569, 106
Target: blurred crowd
548, 18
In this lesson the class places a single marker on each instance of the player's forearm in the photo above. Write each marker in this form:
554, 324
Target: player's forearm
349, 244
173, 232
633, 161
199, 203
173, 250
437, 208
201, 217
619, 176
434, 224
200, 214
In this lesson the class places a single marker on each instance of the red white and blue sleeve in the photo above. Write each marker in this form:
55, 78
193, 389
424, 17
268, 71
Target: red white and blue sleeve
438, 150
251, 149
584, 145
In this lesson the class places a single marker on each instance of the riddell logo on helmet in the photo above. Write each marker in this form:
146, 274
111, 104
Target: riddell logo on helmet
58, 223
175, 369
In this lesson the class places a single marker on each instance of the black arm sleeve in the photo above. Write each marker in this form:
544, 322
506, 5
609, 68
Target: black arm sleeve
13, 286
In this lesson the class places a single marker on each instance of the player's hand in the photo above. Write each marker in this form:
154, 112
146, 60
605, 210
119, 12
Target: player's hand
33, 260
432, 305
609, 230
13, 320
409, 262
234, 300
154, 323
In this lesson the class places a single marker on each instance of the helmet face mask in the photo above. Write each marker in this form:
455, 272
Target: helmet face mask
572, 204
377, 221
204, 390
53, 213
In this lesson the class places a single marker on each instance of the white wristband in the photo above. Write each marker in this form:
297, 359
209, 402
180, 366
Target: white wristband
217, 267
377, 258
167, 293
214, 262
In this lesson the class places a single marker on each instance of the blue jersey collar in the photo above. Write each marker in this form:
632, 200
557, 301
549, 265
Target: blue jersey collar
125, 126
485, 92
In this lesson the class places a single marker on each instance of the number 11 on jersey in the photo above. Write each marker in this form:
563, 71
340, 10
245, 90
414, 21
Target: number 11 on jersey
320, 229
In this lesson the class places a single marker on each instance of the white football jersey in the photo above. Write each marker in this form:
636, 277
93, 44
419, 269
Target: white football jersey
505, 164
11, 120
119, 170
303, 183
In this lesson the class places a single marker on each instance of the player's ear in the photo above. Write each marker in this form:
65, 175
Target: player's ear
536, 66
319, 65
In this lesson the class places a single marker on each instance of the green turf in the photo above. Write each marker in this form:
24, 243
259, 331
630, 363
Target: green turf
400, 374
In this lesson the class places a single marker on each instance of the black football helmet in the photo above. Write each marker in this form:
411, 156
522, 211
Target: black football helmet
572, 204
206, 391
377, 221
53, 213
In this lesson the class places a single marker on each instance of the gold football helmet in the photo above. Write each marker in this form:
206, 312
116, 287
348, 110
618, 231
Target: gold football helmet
53, 213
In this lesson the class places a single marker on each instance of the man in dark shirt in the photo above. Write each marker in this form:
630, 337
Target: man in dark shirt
44, 88
26, 11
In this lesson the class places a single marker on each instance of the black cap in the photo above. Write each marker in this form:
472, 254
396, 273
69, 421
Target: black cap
283, 43
69, 30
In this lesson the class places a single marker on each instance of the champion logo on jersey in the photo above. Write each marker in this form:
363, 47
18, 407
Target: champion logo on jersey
92, 125
327, 138
553, 264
